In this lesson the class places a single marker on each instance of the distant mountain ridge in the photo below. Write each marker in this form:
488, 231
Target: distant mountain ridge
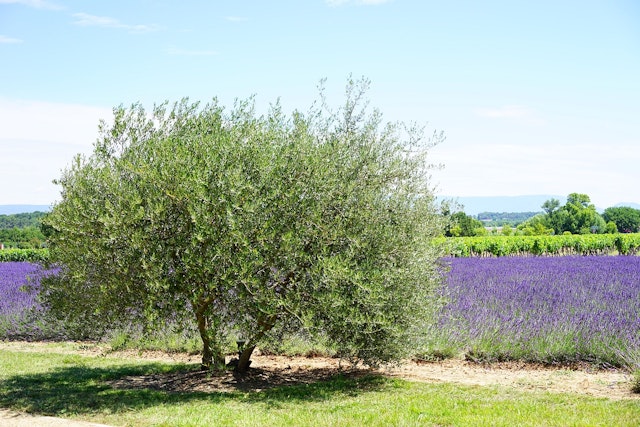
16, 209
472, 205
477, 204
533, 203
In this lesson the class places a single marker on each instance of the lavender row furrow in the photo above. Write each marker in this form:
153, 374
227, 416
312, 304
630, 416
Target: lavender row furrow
15, 279
18, 299
536, 306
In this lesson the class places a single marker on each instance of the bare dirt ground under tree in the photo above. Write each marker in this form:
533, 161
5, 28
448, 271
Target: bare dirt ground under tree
271, 371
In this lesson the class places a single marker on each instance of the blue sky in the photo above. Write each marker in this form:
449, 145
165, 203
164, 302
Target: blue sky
534, 97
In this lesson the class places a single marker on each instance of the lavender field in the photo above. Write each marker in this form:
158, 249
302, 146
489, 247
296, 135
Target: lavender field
545, 309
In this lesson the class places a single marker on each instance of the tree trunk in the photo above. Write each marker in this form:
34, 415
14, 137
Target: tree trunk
245, 359
210, 358
264, 326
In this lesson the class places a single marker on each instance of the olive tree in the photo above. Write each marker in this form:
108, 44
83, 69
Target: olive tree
246, 224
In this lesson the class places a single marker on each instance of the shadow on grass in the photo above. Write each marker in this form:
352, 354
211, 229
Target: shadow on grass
83, 389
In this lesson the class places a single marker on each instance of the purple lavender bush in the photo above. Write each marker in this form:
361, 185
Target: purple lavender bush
21, 315
545, 309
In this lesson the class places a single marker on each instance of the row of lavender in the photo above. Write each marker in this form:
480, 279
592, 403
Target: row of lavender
19, 308
557, 309
544, 309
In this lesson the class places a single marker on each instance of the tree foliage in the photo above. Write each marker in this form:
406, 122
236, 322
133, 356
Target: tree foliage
22, 238
21, 220
626, 219
461, 225
536, 226
498, 219
249, 225
577, 216
22, 230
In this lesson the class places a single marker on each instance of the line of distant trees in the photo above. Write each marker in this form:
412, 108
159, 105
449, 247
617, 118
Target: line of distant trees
499, 219
577, 216
22, 231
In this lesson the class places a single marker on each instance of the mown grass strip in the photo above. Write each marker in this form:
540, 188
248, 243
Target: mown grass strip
62, 384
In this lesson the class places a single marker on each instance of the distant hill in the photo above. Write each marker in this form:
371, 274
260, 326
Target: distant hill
498, 219
476, 205
472, 205
21, 220
16, 209
22, 230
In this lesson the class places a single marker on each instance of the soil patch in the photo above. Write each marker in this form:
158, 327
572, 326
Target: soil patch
273, 371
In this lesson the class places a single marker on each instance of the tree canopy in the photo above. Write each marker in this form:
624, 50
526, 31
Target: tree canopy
21, 220
23, 238
22, 230
626, 219
251, 224
461, 224
577, 216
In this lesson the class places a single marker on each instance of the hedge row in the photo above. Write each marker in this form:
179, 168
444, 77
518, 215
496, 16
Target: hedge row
28, 255
576, 244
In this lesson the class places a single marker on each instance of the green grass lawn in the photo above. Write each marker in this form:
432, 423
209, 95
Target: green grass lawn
54, 381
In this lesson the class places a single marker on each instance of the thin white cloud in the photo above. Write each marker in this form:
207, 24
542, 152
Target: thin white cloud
88, 20
38, 4
187, 52
9, 40
510, 112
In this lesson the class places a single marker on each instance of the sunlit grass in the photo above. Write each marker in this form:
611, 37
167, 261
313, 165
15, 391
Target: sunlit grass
54, 381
